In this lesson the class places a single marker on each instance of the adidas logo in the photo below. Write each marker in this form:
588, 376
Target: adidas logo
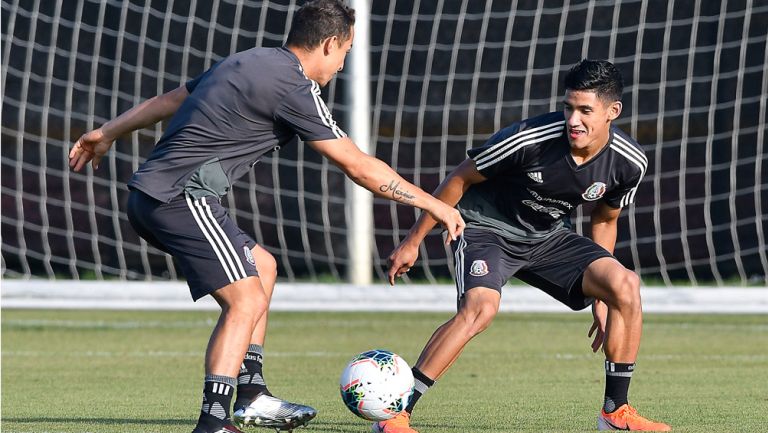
536, 176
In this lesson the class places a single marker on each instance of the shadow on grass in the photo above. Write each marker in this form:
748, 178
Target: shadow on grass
317, 426
104, 421
336, 426
357, 426
323, 426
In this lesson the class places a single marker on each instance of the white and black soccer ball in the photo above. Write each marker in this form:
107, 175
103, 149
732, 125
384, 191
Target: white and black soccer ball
376, 385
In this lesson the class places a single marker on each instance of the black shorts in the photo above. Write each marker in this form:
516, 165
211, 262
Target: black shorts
210, 249
555, 264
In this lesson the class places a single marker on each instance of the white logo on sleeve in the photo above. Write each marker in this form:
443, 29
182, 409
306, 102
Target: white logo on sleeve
594, 192
478, 268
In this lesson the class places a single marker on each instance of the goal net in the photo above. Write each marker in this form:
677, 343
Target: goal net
445, 74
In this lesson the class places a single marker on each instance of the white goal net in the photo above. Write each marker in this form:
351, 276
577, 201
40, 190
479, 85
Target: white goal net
444, 75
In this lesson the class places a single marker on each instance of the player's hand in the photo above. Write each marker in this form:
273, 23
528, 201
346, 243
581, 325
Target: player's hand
600, 315
450, 219
92, 146
401, 260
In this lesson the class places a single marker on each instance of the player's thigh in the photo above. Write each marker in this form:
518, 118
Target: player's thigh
558, 265
140, 206
212, 252
481, 260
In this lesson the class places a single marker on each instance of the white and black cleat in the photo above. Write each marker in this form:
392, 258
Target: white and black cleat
271, 412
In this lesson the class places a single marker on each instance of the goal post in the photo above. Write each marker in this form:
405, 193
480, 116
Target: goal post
359, 203
440, 77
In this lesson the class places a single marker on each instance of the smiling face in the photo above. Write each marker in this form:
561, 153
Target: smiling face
588, 120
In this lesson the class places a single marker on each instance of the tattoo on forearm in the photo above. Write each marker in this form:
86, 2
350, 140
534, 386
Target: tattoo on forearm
397, 193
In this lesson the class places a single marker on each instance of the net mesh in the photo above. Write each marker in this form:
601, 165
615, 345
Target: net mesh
445, 75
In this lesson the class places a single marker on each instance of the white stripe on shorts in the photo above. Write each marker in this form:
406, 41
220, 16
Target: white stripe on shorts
226, 240
458, 258
216, 238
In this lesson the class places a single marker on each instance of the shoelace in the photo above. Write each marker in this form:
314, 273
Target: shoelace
400, 420
631, 411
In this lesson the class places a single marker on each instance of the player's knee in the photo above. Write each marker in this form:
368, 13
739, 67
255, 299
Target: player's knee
485, 318
478, 317
245, 299
248, 311
626, 290
265, 263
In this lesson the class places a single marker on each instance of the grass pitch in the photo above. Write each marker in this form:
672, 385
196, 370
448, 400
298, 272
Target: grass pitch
125, 371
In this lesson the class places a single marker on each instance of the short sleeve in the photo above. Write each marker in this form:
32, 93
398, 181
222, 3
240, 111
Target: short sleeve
304, 111
496, 155
191, 84
624, 193
631, 165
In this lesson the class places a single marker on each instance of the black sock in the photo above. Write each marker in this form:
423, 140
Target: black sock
250, 381
421, 384
217, 398
617, 377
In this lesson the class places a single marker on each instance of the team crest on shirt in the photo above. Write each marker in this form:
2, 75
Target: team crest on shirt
478, 268
594, 192
249, 255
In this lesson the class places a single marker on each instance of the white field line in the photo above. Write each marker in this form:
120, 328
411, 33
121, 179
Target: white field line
323, 354
11, 324
158, 354
122, 295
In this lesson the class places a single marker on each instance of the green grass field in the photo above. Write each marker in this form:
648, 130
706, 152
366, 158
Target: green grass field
125, 371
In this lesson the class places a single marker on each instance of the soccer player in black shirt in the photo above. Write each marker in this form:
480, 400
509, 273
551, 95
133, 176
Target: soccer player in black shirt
245, 106
516, 193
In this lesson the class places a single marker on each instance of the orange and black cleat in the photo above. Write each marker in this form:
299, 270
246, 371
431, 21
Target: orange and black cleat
399, 424
627, 418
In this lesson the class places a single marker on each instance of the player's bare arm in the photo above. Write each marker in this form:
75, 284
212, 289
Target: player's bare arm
604, 227
604, 220
379, 178
93, 145
450, 191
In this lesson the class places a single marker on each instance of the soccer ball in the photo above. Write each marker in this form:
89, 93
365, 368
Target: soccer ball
376, 385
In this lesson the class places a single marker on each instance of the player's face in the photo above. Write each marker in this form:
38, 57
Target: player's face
588, 119
336, 53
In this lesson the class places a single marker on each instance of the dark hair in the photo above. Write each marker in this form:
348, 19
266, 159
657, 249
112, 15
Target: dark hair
600, 76
317, 20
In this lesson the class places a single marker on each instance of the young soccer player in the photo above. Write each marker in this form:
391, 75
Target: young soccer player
248, 105
516, 193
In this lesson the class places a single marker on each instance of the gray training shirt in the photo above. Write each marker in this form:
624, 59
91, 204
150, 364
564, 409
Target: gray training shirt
245, 106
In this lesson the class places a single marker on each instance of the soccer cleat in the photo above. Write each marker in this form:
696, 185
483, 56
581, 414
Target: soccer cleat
268, 411
398, 424
627, 418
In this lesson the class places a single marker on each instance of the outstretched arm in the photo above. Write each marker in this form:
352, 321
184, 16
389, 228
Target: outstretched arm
93, 145
603, 223
379, 178
450, 191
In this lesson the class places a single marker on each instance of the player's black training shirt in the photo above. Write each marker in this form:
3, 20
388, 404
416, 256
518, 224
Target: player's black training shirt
534, 184
243, 107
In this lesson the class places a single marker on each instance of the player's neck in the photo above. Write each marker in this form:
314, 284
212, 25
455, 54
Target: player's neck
582, 155
307, 60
